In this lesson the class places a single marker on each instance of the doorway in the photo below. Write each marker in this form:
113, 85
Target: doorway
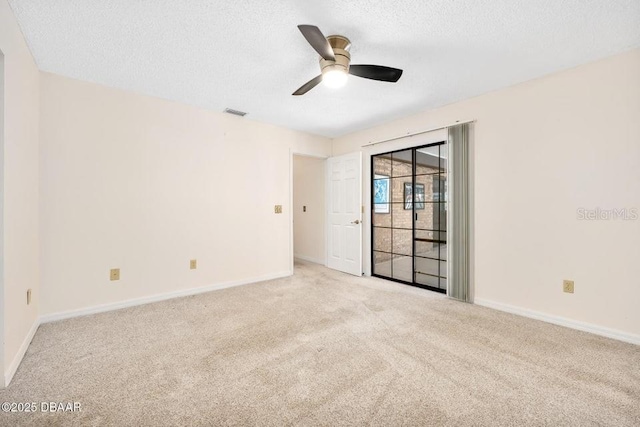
309, 211
409, 216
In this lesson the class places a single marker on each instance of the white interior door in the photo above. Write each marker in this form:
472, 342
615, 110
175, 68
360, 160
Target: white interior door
344, 213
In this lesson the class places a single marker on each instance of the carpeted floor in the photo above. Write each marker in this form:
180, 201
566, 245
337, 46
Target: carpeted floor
324, 348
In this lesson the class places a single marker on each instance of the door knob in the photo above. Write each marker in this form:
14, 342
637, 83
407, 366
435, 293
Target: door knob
357, 221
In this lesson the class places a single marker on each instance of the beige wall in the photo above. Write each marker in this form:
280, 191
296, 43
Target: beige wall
20, 190
309, 190
541, 151
145, 185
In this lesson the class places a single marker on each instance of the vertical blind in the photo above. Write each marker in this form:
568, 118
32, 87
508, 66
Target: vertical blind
458, 221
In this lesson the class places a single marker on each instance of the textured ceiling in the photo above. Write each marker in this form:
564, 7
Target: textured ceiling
248, 54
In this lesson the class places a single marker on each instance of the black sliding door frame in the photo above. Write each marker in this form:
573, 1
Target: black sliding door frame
437, 230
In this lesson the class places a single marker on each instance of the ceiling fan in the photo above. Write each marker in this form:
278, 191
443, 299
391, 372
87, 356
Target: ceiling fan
335, 62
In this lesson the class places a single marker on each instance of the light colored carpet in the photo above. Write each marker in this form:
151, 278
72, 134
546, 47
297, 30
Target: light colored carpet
324, 348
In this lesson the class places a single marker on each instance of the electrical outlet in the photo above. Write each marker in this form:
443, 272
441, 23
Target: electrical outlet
567, 286
278, 209
28, 296
193, 264
304, 209
114, 274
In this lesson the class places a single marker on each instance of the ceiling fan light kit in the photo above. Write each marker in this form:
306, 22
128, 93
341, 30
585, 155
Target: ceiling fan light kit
335, 62
334, 78
335, 72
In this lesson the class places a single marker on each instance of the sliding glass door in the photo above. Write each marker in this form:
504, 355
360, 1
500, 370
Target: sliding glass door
409, 227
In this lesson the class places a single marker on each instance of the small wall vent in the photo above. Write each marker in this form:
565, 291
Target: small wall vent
235, 112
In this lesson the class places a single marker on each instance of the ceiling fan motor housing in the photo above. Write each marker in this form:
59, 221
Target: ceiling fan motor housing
341, 46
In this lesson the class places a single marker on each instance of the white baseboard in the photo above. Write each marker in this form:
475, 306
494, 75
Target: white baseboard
11, 371
155, 298
309, 259
562, 321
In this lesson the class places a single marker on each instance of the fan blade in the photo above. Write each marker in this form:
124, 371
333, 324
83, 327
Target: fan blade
376, 72
308, 86
317, 41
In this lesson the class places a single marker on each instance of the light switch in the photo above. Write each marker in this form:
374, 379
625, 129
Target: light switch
278, 209
114, 274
